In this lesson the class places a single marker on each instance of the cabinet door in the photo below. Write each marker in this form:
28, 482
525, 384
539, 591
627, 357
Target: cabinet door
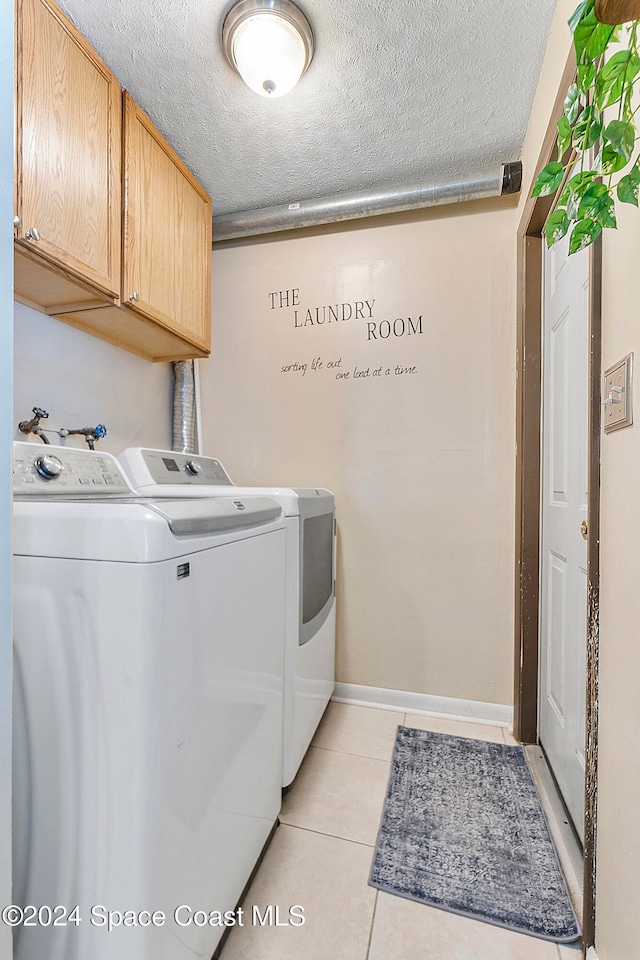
69, 123
167, 233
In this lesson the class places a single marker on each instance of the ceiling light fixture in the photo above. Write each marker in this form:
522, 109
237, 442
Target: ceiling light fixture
270, 44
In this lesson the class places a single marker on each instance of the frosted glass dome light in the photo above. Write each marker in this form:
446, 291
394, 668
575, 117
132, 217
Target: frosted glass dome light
270, 44
269, 54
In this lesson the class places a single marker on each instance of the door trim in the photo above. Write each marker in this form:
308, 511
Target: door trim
528, 480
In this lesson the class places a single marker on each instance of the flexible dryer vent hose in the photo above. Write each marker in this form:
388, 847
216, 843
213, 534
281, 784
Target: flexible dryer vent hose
184, 407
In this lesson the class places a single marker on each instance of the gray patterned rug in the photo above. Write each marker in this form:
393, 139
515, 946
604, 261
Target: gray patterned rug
462, 829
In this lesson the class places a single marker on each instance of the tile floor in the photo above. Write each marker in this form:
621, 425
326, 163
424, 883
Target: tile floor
321, 854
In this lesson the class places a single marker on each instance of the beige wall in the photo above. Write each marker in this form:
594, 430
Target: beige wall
558, 50
421, 463
618, 879
618, 839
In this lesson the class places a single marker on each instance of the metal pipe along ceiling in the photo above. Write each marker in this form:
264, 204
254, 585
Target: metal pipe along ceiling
307, 213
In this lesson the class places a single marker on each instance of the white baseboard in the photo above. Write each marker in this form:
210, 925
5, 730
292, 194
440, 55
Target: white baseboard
474, 711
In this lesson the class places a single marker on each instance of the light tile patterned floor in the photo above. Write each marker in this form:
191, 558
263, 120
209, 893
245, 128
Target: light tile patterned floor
321, 854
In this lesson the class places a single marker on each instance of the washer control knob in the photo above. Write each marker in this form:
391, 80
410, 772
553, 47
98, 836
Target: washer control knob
193, 468
48, 466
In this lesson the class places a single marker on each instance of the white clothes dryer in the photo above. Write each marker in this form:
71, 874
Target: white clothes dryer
148, 708
310, 636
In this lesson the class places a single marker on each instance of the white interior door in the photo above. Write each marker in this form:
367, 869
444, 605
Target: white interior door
563, 594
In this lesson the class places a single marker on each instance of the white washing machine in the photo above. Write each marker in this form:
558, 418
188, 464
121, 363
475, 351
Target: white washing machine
310, 581
148, 708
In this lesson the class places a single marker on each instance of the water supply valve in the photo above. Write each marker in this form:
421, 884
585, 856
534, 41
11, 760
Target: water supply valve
91, 434
33, 425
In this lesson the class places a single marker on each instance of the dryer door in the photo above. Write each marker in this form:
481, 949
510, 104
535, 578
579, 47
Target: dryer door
317, 560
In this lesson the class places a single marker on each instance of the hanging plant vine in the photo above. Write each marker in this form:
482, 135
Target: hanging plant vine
603, 82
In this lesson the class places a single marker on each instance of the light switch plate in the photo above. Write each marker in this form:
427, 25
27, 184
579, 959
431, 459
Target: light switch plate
617, 399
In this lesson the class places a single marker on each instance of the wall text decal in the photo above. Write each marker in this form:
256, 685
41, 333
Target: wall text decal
356, 373
328, 313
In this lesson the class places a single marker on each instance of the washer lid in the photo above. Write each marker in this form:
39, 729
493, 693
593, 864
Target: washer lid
188, 518
130, 531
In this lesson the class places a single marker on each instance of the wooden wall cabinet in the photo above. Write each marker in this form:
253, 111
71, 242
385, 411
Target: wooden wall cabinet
68, 145
130, 264
167, 232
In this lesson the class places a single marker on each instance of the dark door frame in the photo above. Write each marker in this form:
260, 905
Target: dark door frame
528, 479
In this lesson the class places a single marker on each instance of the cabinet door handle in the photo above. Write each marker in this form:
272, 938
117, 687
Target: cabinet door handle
32, 234
135, 296
17, 223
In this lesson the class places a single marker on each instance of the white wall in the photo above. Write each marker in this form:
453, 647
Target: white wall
421, 463
82, 381
6, 422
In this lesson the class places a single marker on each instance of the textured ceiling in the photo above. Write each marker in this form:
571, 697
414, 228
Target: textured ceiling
397, 92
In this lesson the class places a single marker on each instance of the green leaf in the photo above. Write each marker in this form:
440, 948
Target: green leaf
588, 130
597, 203
548, 180
622, 136
564, 136
581, 179
597, 42
574, 191
616, 75
591, 37
610, 161
596, 190
572, 206
582, 30
556, 226
586, 76
583, 234
572, 103
583, 8
628, 187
